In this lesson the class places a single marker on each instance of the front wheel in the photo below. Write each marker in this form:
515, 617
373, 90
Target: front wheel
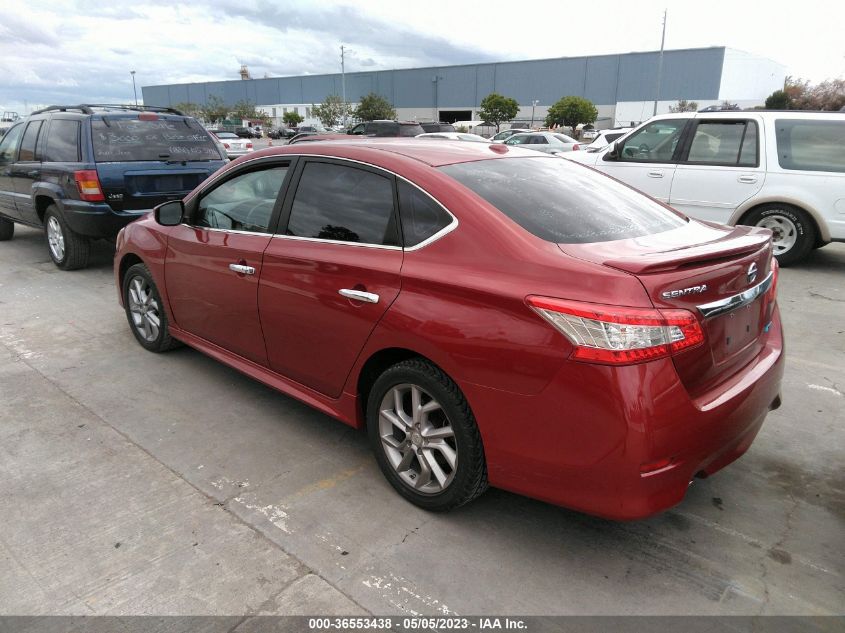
145, 311
793, 232
424, 436
68, 250
7, 230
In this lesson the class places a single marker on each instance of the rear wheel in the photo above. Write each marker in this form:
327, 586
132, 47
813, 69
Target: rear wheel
68, 250
7, 230
424, 436
145, 311
793, 232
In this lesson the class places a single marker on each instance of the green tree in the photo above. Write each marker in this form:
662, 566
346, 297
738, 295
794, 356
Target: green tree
191, 109
245, 109
684, 106
778, 100
571, 111
496, 108
374, 107
331, 111
214, 109
292, 118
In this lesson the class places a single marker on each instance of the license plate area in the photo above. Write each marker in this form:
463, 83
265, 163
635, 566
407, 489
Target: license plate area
732, 333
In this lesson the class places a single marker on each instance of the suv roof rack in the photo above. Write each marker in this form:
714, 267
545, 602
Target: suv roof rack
88, 108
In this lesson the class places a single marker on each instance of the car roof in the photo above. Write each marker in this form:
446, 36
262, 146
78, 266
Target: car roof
380, 150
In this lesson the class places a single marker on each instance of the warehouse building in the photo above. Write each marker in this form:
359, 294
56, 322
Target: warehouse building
623, 86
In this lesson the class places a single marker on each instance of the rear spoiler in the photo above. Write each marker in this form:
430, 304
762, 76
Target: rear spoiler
738, 244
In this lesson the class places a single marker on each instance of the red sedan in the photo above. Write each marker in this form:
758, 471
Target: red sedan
487, 314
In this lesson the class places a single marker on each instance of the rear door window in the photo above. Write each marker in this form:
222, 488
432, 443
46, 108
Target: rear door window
126, 139
62, 141
811, 145
345, 204
724, 142
562, 202
30, 142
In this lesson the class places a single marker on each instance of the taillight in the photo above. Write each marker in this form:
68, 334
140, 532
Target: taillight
148, 116
618, 335
226, 145
576, 147
89, 185
249, 145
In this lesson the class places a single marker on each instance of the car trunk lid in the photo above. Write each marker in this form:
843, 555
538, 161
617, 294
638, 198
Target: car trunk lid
720, 274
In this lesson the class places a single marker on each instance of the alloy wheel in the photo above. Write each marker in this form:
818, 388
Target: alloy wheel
144, 308
418, 439
56, 238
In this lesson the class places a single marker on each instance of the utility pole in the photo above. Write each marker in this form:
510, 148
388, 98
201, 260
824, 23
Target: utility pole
660, 62
343, 80
534, 103
132, 72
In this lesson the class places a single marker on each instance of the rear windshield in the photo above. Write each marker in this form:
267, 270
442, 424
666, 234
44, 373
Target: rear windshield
410, 130
563, 202
121, 139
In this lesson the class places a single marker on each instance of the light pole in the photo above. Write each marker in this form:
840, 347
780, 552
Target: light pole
533, 105
660, 62
343, 80
134, 90
435, 80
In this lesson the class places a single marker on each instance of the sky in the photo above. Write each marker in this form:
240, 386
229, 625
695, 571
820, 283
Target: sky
70, 51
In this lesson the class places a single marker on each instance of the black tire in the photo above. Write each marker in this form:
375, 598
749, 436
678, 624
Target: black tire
7, 230
469, 477
162, 341
75, 249
787, 222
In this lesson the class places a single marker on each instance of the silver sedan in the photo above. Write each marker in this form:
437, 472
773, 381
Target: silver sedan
548, 142
233, 144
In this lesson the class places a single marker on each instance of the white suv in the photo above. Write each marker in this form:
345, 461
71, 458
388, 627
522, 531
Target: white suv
781, 170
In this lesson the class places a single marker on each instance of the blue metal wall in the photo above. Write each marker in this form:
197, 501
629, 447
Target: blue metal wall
603, 79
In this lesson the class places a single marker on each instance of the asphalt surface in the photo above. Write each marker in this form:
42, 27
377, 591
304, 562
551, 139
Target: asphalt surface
135, 483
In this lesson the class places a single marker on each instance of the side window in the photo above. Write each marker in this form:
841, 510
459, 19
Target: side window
421, 216
810, 145
724, 143
244, 203
654, 143
9, 144
359, 129
538, 140
336, 202
62, 142
29, 142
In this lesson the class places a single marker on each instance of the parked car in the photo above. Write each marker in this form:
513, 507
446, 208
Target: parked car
548, 142
784, 171
281, 132
455, 136
589, 132
233, 144
85, 171
387, 128
623, 349
433, 126
244, 132
504, 135
605, 137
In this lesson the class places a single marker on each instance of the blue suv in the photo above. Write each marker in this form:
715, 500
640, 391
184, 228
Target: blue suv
84, 172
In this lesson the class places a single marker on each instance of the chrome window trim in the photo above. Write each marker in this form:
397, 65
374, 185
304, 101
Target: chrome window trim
729, 304
299, 238
275, 157
211, 228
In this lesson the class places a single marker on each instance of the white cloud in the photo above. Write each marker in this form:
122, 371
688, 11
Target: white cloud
70, 51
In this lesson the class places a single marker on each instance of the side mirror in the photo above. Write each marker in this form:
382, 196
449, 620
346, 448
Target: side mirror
169, 213
614, 152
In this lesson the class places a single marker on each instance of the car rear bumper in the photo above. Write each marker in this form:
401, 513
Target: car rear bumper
585, 441
97, 220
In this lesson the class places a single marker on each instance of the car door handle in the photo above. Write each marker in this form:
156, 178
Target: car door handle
747, 179
358, 295
240, 268
655, 174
